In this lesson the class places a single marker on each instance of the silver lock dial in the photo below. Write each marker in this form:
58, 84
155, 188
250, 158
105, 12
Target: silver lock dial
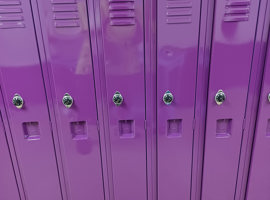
67, 100
117, 98
220, 97
168, 97
17, 101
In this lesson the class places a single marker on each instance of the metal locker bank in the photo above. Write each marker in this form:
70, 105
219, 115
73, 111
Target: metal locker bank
134, 99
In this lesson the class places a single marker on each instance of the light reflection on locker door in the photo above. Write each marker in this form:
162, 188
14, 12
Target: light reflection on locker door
259, 177
26, 103
177, 43
231, 59
67, 44
122, 24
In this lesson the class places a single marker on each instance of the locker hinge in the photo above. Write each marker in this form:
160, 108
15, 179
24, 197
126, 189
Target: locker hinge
244, 124
194, 124
98, 128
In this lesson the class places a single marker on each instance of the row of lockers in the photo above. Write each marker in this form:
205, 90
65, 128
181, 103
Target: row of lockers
134, 99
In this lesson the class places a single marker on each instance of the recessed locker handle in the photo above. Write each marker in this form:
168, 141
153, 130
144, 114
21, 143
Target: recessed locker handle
67, 100
268, 97
118, 98
168, 97
17, 101
220, 97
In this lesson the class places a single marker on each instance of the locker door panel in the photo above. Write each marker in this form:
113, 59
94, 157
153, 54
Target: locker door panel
30, 126
68, 49
178, 34
232, 49
123, 42
8, 185
259, 178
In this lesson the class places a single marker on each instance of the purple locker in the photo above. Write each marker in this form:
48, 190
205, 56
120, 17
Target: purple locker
232, 49
8, 185
23, 91
259, 178
67, 44
122, 25
177, 53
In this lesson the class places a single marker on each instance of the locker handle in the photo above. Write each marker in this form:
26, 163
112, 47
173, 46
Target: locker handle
168, 97
117, 98
17, 101
220, 97
67, 100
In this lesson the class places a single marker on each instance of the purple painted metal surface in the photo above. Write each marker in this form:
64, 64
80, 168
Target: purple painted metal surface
232, 49
260, 49
66, 39
8, 185
30, 126
124, 44
177, 55
206, 21
259, 178
123, 50
151, 91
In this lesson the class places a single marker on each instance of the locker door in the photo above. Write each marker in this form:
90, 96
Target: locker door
178, 34
232, 49
8, 185
67, 44
123, 42
259, 178
23, 91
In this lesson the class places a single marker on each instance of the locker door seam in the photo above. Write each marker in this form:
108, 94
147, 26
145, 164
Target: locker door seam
247, 100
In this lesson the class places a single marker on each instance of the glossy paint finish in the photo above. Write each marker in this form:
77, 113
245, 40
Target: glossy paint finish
258, 62
150, 18
30, 126
207, 10
128, 52
67, 44
232, 49
259, 178
8, 185
177, 54
123, 57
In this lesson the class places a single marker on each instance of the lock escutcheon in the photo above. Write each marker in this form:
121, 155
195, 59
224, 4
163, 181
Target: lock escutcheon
67, 100
168, 97
220, 97
117, 98
17, 101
